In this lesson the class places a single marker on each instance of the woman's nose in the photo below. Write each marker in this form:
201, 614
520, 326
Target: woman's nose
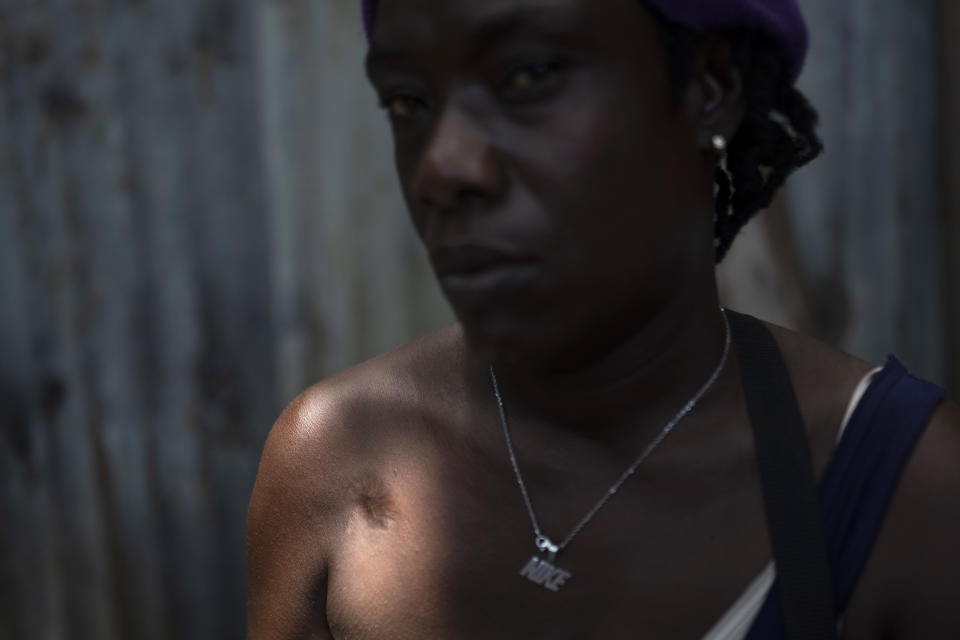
460, 166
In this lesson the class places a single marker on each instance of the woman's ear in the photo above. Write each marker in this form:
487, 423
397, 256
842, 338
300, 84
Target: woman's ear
714, 96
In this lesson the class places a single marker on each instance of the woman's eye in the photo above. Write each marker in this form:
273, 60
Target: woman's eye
402, 106
533, 81
529, 76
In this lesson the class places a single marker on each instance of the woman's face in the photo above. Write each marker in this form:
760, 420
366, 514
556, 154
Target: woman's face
553, 177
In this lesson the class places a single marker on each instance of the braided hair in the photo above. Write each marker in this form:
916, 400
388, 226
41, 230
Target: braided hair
776, 137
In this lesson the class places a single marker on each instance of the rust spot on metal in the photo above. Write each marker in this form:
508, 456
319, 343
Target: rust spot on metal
33, 48
62, 103
90, 57
15, 419
53, 393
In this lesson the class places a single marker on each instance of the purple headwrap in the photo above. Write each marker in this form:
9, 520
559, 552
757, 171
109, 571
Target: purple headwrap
781, 20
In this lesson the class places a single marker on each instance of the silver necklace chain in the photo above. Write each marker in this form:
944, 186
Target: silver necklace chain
542, 542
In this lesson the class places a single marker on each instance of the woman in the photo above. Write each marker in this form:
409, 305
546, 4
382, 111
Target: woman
575, 457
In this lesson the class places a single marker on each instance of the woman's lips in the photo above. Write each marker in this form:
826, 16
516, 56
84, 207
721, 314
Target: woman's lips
472, 270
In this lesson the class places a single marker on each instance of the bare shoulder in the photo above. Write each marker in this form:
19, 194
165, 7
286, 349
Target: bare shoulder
824, 379
348, 411
321, 454
911, 586
822, 375
320, 437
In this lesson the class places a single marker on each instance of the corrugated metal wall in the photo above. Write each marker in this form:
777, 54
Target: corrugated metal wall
198, 217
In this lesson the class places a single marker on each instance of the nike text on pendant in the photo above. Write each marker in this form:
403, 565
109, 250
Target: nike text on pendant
545, 574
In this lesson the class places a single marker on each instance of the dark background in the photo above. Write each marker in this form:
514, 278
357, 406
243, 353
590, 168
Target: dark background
198, 218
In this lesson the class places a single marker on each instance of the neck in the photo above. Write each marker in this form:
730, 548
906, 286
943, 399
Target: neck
632, 388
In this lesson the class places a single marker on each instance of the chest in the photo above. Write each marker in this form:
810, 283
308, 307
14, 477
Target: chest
455, 557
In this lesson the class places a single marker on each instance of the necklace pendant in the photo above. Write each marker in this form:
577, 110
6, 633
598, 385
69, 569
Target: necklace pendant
545, 574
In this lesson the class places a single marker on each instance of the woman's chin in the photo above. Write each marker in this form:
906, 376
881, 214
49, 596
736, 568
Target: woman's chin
533, 345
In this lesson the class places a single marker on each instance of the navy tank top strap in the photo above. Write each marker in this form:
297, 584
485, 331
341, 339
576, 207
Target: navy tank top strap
860, 479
